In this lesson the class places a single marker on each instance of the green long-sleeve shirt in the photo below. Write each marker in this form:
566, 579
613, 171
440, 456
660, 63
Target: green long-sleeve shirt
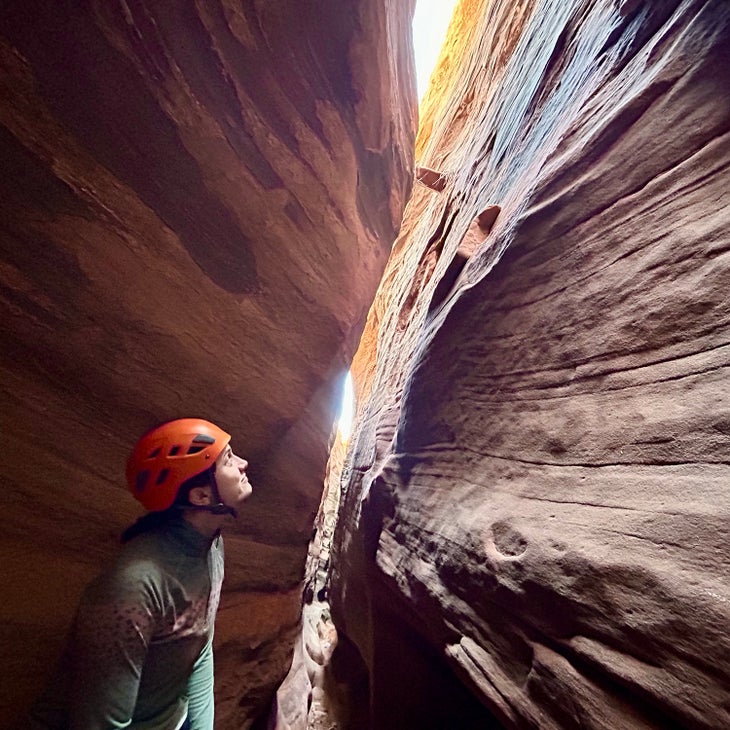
140, 654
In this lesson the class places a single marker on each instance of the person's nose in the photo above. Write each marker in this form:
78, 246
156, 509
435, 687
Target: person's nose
242, 464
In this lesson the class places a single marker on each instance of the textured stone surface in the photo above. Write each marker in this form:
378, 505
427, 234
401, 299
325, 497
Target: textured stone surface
196, 205
535, 506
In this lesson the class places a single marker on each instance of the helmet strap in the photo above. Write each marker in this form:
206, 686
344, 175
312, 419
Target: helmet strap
218, 508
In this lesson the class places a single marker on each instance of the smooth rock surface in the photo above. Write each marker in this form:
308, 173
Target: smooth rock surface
196, 206
535, 514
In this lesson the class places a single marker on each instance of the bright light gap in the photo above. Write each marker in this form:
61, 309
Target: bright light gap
430, 23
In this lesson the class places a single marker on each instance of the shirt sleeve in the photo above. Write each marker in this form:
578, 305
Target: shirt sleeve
201, 700
201, 704
111, 634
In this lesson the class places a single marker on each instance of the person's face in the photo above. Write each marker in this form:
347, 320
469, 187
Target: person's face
231, 479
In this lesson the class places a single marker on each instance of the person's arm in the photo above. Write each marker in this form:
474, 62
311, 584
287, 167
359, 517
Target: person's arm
201, 703
110, 639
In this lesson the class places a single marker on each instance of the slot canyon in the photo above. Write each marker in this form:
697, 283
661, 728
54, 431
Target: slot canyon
217, 208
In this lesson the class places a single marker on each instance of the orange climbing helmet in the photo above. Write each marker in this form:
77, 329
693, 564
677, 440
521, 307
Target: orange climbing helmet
167, 456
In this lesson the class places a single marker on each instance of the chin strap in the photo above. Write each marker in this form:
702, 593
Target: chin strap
215, 509
218, 508
221, 509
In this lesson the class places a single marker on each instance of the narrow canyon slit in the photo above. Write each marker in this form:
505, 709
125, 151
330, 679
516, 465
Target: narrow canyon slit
509, 536
217, 210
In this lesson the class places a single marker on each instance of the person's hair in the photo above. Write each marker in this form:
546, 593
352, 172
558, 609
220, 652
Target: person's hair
153, 520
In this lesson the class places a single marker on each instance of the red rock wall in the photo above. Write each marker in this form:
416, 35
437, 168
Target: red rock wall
196, 206
534, 527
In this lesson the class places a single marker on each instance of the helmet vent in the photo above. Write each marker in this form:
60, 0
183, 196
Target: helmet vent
203, 438
162, 476
174, 450
195, 449
155, 453
141, 481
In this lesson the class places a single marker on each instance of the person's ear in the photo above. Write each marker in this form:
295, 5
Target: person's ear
200, 496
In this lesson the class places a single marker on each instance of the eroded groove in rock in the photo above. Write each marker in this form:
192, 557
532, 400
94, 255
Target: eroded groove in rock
536, 482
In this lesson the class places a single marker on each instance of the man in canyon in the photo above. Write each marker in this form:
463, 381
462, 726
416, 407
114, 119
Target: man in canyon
140, 652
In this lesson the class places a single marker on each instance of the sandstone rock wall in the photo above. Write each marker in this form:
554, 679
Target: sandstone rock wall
196, 206
534, 524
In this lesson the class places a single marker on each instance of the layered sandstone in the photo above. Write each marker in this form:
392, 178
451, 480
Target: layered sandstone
197, 203
534, 523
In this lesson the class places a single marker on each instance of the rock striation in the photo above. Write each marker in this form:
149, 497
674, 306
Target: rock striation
533, 531
196, 207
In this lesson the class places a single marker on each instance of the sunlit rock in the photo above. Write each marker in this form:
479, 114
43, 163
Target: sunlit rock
533, 530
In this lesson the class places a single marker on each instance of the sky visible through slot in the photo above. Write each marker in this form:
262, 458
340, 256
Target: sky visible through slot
430, 23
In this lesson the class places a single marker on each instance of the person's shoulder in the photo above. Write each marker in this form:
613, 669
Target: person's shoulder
133, 575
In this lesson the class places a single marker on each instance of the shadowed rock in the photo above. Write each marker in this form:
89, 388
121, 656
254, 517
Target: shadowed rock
197, 203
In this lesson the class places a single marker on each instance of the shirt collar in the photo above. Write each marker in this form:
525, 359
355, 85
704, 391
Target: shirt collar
190, 540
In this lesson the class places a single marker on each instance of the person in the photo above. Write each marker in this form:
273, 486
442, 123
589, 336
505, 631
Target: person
140, 653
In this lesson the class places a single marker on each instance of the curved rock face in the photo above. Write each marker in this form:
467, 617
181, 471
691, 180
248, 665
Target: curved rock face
535, 511
197, 203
